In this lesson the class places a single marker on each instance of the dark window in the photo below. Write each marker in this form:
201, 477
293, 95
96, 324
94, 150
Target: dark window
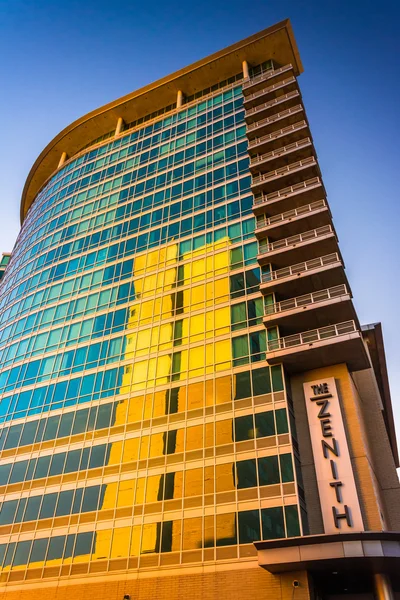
261, 381
242, 385
48, 506
249, 526
268, 470
286, 467
246, 473
292, 521
272, 523
281, 421
244, 428
265, 424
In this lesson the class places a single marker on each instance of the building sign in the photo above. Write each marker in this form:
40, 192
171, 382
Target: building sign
336, 486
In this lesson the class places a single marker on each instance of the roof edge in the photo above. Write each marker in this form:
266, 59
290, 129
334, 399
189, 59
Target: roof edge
47, 162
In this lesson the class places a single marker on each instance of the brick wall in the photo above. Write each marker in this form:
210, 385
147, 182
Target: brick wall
250, 582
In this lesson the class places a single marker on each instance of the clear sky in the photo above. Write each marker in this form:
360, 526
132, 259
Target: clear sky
59, 60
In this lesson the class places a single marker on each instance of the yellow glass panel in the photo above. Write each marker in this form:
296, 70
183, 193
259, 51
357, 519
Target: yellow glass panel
140, 487
126, 493
224, 432
135, 409
156, 444
148, 284
140, 263
210, 392
143, 340
196, 362
221, 289
176, 441
167, 306
146, 312
171, 540
192, 533
197, 327
148, 406
209, 437
224, 477
121, 542
209, 536
163, 369
222, 320
153, 258
151, 372
171, 254
150, 538
210, 295
139, 375
131, 450
135, 540
223, 355
178, 484
194, 482
110, 496
102, 545
223, 388
209, 480
198, 296
144, 447
115, 453
194, 437
154, 491
160, 404
226, 529
195, 395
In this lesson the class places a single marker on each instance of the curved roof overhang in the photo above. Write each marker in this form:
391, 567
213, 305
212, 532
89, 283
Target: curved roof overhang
276, 42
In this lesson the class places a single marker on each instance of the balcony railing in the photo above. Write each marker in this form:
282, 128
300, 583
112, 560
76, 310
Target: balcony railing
302, 186
310, 337
264, 221
279, 133
306, 300
286, 170
279, 151
276, 117
264, 248
266, 75
270, 88
270, 103
303, 267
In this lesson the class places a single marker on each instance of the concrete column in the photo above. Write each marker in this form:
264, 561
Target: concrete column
245, 68
179, 99
119, 127
383, 588
62, 159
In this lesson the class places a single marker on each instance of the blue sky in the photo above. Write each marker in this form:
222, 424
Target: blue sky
61, 60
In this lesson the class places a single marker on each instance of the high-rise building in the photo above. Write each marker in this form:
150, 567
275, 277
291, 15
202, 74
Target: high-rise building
189, 406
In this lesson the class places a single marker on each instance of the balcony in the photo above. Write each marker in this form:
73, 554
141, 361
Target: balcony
279, 138
309, 244
316, 308
297, 172
308, 216
253, 84
311, 275
290, 116
334, 344
278, 157
252, 99
289, 197
284, 102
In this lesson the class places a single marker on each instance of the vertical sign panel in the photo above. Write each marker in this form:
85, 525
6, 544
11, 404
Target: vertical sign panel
335, 478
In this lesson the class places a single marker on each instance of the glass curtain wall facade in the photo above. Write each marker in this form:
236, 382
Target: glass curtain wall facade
135, 394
